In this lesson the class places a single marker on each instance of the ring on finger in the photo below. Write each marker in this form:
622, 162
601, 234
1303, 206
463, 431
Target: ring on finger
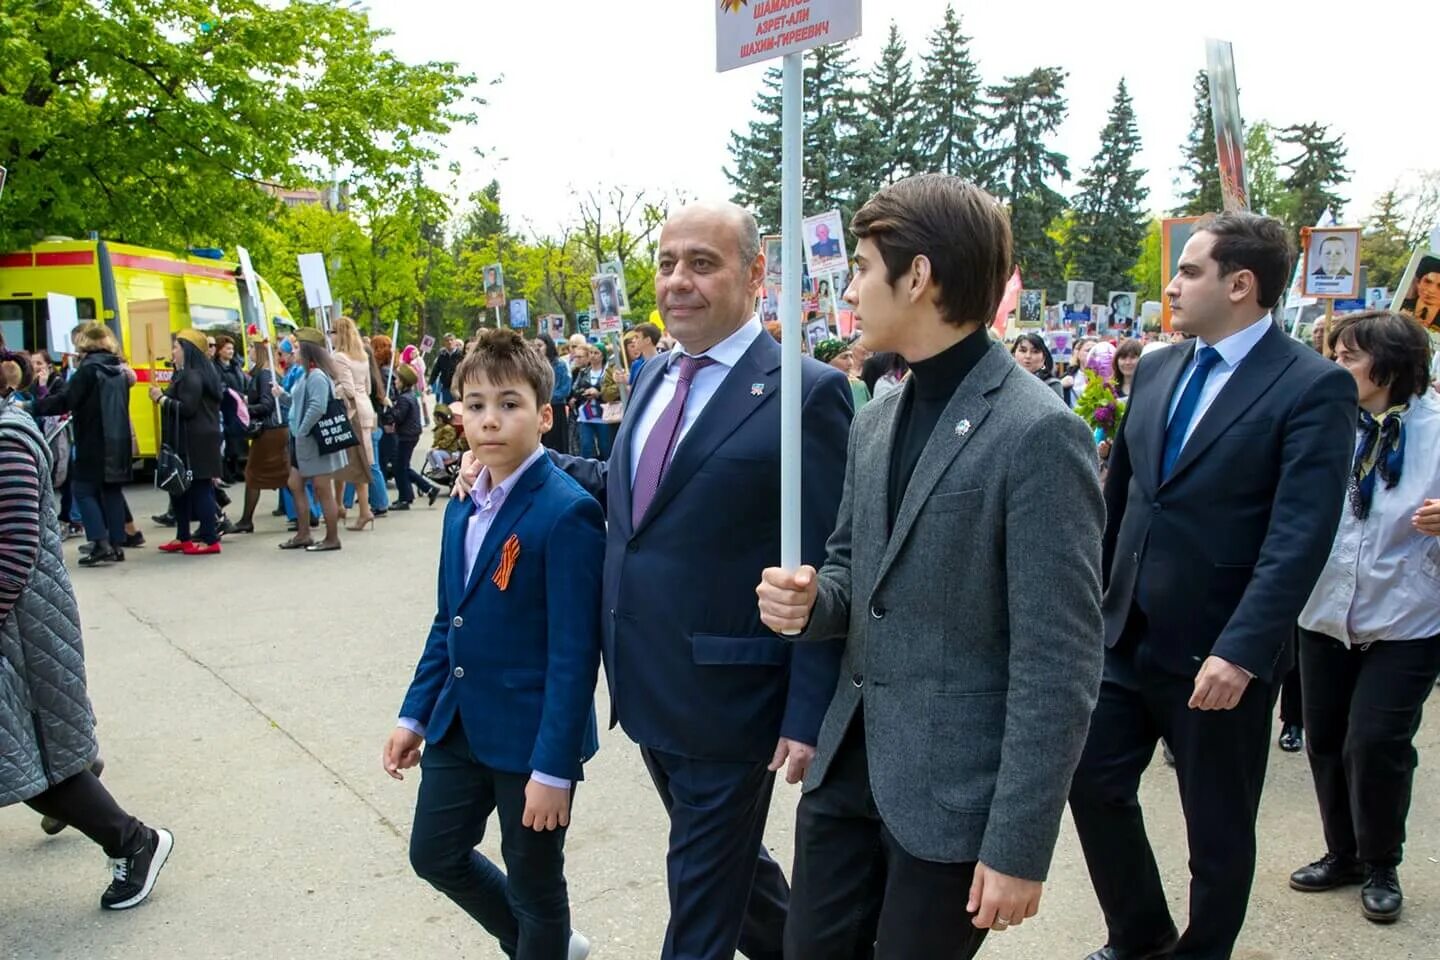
1001, 923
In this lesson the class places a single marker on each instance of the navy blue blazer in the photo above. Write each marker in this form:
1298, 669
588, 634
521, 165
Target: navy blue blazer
519, 666
1223, 554
691, 668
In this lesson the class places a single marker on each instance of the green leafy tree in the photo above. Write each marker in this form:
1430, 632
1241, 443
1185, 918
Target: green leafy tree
1200, 173
1023, 113
1316, 170
948, 98
1148, 274
1110, 217
1265, 186
161, 121
887, 149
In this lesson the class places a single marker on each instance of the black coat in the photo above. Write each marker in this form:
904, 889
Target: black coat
232, 377
197, 413
98, 398
260, 401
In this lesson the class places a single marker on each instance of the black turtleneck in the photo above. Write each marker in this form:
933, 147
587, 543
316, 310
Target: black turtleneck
934, 382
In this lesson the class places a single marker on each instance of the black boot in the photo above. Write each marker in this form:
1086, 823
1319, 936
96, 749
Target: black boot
1327, 873
1292, 738
1380, 898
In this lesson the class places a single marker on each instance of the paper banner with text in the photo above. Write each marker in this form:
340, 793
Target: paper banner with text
749, 31
605, 288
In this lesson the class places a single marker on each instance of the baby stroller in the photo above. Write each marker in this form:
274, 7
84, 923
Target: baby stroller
442, 474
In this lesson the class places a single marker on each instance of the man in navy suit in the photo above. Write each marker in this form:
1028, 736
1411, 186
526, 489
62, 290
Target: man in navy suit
1223, 497
716, 701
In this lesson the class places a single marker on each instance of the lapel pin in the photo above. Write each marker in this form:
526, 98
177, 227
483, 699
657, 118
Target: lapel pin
757, 389
962, 428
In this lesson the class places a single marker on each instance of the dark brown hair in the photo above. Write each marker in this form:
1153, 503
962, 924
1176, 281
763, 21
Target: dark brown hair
959, 228
1248, 241
503, 357
1129, 347
647, 330
1399, 349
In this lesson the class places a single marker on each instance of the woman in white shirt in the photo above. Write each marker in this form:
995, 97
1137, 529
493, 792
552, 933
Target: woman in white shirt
1370, 633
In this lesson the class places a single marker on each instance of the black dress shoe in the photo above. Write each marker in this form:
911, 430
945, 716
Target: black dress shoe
166, 519
1328, 873
402, 505
136, 539
100, 553
1108, 952
1292, 738
1380, 898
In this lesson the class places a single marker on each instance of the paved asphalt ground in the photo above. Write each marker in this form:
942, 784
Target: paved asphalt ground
243, 700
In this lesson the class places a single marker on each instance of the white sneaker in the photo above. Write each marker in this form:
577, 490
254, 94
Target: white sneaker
579, 946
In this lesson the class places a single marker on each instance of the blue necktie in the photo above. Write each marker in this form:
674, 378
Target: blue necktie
1185, 409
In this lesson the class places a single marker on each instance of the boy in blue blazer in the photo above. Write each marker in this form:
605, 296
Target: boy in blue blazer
504, 691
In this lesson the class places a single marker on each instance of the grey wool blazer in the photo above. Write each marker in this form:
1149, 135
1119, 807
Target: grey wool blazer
973, 629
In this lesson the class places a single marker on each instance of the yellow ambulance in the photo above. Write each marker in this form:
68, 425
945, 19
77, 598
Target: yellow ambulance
142, 295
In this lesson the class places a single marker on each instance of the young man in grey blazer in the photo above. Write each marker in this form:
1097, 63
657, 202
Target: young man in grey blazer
964, 575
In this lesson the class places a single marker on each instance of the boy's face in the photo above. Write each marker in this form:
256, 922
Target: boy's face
503, 423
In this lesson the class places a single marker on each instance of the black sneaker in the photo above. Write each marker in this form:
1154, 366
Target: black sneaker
134, 876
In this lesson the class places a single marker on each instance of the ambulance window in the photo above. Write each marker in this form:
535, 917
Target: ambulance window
24, 324
215, 319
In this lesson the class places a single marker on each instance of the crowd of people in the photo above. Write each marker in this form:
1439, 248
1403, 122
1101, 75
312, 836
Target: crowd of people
1243, 513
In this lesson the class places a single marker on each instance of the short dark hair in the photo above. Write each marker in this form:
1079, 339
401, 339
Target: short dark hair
649, 331
961, 229
1398, 346
1248, 241
502, 356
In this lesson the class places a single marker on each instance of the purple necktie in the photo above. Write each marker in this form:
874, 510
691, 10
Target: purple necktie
655, 458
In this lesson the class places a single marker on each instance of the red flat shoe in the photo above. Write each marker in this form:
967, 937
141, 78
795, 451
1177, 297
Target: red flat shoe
193, 549
176, 546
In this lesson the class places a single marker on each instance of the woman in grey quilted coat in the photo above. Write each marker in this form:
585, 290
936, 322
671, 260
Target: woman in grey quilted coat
47, 729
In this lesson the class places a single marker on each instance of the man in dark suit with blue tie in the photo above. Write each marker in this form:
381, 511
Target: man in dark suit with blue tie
716, 701
1223, 497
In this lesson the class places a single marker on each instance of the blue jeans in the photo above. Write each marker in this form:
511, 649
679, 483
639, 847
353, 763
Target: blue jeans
288, 502
378, 496
528, 910
102, 508
597, 437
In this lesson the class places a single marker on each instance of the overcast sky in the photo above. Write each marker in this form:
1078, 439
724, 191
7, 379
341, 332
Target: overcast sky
605, 92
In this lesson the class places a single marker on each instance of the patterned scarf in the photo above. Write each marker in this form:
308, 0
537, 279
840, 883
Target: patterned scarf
1381, 451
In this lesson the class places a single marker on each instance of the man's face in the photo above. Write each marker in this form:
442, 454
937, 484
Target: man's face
1332, 256
822, 233
703, 289
1317, 335
503, 422
1199, 297
874, 301
1427, 289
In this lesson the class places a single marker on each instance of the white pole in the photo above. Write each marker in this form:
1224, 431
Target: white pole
791, 152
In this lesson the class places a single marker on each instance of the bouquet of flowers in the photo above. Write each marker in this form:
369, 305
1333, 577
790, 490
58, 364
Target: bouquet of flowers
1098, 405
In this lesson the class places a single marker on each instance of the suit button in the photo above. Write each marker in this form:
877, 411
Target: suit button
459, 672
858, 679
631, 547
458, 622
877, 612
1158, 508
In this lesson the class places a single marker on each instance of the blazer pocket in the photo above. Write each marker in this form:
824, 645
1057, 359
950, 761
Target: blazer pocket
519, 679
954, 502
713, 650
966, 730
1249, 428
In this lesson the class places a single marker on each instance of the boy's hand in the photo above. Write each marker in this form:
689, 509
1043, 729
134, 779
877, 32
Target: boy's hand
402, 751
786, 598
546, 808
469, 473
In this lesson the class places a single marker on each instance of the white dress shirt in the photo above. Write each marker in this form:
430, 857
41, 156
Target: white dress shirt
1233, 349
1382, 580
707, 381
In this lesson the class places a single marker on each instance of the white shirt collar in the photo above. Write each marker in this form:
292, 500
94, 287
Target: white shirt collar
728, 352
1237, 346
485, 498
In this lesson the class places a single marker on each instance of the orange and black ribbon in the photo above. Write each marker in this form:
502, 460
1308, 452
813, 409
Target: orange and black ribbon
509, 554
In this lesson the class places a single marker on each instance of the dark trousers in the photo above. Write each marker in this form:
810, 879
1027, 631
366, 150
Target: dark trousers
102, 507
85, 804
197, 506
725, 889
388, 446
595, 439
857, 893
1292, 702
1220, 759
558, 436
528, 911
406, 477
1362, 710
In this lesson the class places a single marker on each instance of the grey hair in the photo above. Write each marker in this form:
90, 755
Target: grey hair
749, 233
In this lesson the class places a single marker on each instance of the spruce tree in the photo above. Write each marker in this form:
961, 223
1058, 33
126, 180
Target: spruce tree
756, 157
1110, 217
949, 104
887, 149
1262, 172
1316, 169
1023, 113
1201, 169
833, 132
1385, 249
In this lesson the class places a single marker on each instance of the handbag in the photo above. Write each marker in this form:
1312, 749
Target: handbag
172, 473
333, 432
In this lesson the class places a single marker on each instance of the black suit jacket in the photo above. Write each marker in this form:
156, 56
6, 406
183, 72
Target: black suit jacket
691, 668
1222, 556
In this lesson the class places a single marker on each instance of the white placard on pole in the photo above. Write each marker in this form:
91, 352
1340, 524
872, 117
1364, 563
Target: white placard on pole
748, 31
824, 241
315, 280
64, 318
252, 288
